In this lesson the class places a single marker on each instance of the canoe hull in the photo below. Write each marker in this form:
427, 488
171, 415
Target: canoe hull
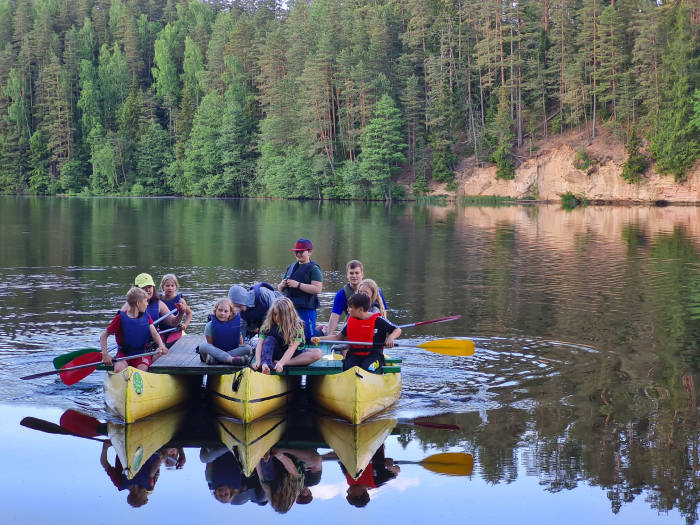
248, 395
134, 394
356, 394
136, 442
355, 444
252, 440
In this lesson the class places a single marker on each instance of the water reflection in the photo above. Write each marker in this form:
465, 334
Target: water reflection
587, 327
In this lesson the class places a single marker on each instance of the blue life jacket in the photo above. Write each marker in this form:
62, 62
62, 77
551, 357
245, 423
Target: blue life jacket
255, 315
227, 334
300, 272
136, 333
153, 309
171, 303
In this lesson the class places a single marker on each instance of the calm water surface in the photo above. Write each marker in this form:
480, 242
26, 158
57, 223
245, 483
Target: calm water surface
578, 406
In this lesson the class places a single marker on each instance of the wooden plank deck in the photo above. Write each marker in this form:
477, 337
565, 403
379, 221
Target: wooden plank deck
182, 359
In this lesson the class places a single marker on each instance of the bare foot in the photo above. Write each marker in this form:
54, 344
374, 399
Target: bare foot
265, 369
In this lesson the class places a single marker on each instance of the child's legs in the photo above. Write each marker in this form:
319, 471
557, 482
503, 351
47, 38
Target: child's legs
243, 351
308, 315
268, 351
215, 352
306, 357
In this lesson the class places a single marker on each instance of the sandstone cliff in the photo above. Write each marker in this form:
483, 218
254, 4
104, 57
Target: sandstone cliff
549, 173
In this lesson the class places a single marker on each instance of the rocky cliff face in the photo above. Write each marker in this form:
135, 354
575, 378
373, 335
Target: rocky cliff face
550, 172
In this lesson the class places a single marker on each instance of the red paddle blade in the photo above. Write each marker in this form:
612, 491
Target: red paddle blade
78, 423
61, 360
171, 338
70, 377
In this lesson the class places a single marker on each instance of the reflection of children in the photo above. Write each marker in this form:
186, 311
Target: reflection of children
226, 480
224, 338
281, 340
171, 297
282, 473
133, 329
364, 326
142, 484
379, 471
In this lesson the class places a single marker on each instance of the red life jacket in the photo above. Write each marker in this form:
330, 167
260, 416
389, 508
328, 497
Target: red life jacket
361, 330
366, 478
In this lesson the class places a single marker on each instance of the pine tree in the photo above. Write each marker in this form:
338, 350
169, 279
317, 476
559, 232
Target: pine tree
382, 145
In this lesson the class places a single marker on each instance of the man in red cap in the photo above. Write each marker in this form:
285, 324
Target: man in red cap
302, 283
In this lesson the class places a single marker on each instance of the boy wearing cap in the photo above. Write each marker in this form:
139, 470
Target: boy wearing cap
302, 283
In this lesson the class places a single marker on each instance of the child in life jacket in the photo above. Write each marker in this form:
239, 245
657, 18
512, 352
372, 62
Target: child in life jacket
369, 287
364, 326
171, 297
281, 341
224, 338
133, 329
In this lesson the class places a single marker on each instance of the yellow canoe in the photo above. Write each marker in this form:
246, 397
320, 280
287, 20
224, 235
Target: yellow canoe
252, 440
134, 394
248, 395
136, 442
356, 394
355, 444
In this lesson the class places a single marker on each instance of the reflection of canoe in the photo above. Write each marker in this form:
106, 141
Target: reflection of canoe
355, 444
134, 394
252, 440
248, 395
356, 394
136, 442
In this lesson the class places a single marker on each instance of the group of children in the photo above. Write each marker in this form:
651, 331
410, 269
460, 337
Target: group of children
285, 336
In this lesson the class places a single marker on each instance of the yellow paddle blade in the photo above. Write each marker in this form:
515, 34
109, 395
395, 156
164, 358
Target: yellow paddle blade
455, 347
450, 463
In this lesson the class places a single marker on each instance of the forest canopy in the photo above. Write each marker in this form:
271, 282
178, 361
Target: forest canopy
331, 98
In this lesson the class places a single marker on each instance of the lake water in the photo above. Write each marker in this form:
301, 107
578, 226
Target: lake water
579, 405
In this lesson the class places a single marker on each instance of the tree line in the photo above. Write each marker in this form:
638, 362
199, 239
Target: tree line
331, 98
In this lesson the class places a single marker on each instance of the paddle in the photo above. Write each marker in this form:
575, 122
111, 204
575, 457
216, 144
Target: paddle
64, 359
86, 369
81, 424
426, 423
448, 463
51, 428
453, 347
439, 320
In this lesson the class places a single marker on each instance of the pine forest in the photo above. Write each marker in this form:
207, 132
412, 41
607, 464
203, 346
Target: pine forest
332, 99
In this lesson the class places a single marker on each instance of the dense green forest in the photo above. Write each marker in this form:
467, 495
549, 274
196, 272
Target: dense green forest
331, 98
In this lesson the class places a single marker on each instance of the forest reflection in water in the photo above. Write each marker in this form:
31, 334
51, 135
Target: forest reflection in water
586, 325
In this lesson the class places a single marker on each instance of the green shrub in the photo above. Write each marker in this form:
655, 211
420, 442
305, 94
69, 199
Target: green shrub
582, 160
636, 163
569, 201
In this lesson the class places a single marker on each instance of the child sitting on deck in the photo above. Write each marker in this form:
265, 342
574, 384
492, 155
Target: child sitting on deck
281, 340
133, 329
364, 326
224, 338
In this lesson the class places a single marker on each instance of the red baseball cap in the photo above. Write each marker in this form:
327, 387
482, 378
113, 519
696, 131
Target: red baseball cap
301, 245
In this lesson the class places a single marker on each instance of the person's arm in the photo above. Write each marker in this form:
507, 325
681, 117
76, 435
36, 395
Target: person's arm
106, 358
258, 353
389, 342
171, 320
162, 349
188, 314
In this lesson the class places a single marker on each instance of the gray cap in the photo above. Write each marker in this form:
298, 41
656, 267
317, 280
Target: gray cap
240, 295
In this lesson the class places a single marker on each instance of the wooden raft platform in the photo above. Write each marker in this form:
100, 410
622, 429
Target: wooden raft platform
182, 359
